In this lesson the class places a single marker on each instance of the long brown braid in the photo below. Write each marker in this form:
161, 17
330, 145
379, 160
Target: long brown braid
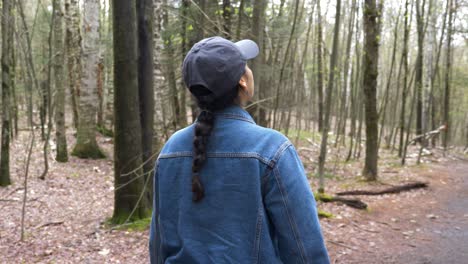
203, 128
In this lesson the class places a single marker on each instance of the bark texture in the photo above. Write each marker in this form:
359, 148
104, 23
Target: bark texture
59, 62
73, 42
86, 145
370, 74
129, 185
7, 62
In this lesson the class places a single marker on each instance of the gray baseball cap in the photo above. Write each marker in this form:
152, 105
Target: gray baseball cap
216, 64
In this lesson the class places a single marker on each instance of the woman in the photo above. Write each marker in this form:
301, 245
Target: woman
225, 189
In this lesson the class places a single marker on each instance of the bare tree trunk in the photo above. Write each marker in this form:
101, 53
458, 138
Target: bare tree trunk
358, 148
159, 81
405, 77
73, 44
341, 129
319, 68
14, 108
383, 108
109, 78
7, 62
239, 18
331, 78
448, 69
170, 69
86, 145
48, 96
419, 64
129, 204
28, 57
59, 62
257, 35
355, 88
435, 71
227, 10
101, 71
284, 63
408, 132
145, 89
370, 72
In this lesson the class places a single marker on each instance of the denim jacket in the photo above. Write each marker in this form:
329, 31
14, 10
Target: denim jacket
258, 205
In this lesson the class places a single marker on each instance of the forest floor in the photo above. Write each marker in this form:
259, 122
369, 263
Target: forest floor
66, 212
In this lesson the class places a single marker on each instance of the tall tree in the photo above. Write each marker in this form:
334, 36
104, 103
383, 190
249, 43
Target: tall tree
319, 68
404, 59
73, 51
86, 145
371, 19
227, 11
7, 62
257, 35
448, 69
420, 8
47, 95
179, 118
328, 99
344, 93
129, 185
59, 62
145, 86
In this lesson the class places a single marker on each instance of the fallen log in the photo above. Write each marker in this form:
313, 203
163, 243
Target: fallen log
355, 203
394, 189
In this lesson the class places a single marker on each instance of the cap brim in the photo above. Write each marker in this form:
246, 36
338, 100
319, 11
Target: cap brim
248, 48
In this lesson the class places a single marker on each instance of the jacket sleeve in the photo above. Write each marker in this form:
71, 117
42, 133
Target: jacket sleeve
154, 240
291, 207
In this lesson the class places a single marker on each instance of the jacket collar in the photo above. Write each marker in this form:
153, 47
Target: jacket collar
235, 112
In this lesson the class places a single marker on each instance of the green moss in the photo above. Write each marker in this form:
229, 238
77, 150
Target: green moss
319, 196
105, 131
136, 225
323, 214
87, 151
121, 218
62, 157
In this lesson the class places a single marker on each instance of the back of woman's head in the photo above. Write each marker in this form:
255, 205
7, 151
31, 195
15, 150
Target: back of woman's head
212, 70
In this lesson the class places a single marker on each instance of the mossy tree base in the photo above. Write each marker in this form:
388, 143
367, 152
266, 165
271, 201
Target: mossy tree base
61, 157
137, 225
122, 216
4, 182
105, 131
88, 151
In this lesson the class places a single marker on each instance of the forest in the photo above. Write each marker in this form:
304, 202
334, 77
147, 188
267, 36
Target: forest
373, 94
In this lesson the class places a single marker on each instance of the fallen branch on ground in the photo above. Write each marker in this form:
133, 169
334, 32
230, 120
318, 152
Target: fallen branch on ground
355, 203
428, 135
50, 224
394, 189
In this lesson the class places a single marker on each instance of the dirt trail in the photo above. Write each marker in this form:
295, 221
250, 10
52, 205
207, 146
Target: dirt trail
432, 228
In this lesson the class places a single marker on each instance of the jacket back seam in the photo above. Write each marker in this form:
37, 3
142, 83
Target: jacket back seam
292, 222
189, 154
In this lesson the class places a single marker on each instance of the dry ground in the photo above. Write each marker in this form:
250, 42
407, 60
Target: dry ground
65, 212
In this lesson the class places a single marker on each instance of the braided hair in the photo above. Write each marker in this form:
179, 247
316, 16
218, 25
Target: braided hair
203, 127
